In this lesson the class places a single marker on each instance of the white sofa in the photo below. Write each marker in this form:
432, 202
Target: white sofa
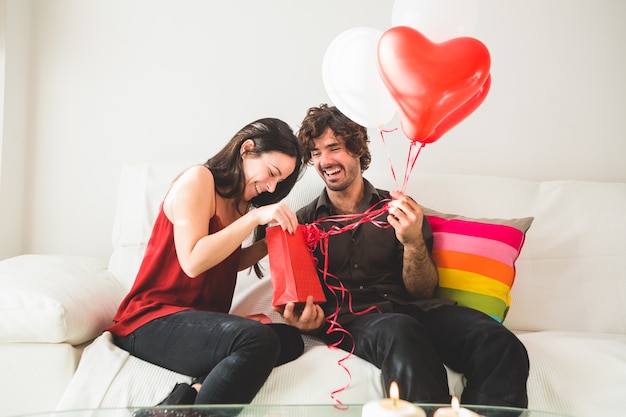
568, 302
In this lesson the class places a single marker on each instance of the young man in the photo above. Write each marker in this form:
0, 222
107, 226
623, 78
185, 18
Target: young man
409, 334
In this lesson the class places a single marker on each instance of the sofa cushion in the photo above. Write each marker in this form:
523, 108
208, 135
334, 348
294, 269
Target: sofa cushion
142, 187
576, 373
55, 299
476, 259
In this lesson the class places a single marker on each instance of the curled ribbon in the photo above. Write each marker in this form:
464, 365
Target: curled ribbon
317, 236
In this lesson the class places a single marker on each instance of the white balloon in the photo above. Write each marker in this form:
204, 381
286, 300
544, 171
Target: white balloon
351, 78
438, 20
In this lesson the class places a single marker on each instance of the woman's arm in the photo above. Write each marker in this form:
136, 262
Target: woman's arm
252, 254
190, 204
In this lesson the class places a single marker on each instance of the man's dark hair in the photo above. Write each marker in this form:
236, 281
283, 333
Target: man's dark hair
319, 119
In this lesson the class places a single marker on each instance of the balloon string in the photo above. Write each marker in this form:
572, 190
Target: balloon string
414, 152
382, 136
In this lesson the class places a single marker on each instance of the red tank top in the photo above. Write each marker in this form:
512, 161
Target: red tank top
161, 287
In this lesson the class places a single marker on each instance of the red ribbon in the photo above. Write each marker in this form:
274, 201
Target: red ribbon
317, 236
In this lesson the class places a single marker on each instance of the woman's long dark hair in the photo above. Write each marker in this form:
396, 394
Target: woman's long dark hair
268, 135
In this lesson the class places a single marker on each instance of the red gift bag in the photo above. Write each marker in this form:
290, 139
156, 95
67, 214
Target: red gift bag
292, 267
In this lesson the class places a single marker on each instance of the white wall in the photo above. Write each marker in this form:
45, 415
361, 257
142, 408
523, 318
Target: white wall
114, 81
14, 61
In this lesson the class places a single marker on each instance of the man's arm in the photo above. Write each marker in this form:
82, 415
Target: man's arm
419, 272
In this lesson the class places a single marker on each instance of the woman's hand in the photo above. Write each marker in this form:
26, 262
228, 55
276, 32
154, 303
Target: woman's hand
279, 213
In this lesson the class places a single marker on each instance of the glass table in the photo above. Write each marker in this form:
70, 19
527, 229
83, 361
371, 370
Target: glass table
276, 411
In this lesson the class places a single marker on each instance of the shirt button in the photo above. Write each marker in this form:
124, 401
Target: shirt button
361, 287
355, 266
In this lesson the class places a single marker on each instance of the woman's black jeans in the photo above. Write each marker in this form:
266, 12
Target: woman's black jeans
232, 355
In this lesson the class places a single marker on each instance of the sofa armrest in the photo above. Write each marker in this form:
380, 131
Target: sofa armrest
56, 299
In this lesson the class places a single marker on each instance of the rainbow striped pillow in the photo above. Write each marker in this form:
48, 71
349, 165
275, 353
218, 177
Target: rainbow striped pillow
476, 259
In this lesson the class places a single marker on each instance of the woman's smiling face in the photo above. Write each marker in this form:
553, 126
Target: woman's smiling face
263, 172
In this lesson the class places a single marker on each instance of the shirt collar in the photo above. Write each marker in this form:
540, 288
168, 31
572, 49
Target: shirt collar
371, 196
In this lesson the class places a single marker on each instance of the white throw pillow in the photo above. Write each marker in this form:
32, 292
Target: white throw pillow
56, 299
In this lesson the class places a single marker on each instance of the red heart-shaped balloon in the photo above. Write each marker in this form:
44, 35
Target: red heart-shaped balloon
460, 113
428, 80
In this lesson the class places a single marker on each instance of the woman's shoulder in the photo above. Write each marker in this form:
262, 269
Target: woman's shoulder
195, 174
200, 170
195, 182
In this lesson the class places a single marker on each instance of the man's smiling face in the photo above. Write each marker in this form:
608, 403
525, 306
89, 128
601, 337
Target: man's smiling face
337, 167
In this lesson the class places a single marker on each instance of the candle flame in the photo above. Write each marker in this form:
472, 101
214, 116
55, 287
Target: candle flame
455, 403
394, 393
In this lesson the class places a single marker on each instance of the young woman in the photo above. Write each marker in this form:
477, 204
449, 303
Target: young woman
176, 313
